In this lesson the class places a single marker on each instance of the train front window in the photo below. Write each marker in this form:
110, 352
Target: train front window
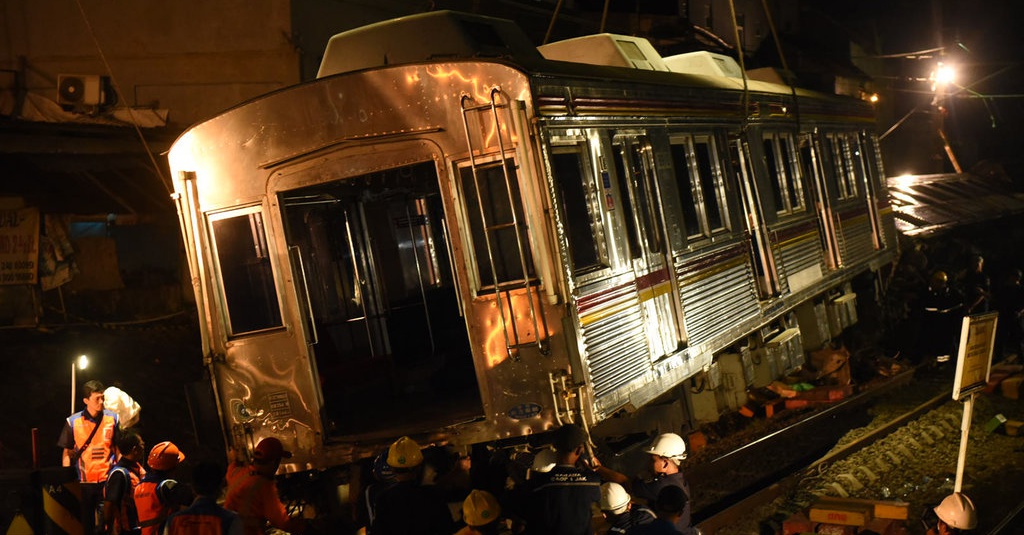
243, 259
387, 330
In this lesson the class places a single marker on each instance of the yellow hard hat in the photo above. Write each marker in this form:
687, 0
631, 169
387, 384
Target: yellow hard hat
480, 508
404, 453
940, 277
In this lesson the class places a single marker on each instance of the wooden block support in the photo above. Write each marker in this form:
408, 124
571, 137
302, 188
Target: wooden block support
842, 513
886, 509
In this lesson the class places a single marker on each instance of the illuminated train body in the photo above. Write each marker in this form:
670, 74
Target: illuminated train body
455, 235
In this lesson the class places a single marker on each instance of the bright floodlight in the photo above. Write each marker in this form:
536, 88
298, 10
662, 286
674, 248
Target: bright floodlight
83, 362
944, 74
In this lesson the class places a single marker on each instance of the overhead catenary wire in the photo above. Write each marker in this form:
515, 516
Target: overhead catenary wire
117, 87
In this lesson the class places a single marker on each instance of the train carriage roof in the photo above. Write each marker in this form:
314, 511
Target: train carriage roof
451, 35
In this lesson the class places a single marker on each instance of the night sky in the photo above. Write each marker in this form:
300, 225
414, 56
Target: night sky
984, 39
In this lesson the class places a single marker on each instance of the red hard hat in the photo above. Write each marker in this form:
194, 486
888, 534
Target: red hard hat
165, 456
270, 449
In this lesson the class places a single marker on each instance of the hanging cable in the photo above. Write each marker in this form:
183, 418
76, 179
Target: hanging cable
789, 77
743, 67
551, 25
775, 36
604, 14
113, 81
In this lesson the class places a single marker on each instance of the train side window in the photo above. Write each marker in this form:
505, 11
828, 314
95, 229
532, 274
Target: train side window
497, 223
243, 260
580, 205
712, 192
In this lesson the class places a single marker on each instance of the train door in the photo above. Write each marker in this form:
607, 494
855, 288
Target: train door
651, 255
875, 178
763, 250
866, 166
384, 322
814, 167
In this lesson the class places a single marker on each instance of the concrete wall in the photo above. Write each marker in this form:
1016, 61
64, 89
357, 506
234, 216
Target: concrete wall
191, 57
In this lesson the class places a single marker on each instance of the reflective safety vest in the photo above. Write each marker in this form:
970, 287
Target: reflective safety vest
126, 519
150, 505
95, 462
204, 517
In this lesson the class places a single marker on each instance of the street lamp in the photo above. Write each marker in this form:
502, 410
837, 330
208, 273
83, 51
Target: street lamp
81, 363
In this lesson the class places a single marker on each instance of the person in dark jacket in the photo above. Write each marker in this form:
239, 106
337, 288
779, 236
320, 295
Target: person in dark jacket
669, 507
619, 511
407, 507
119, 512
205, 516
561, 499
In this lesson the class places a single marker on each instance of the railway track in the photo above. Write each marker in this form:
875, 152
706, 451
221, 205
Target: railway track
907, 452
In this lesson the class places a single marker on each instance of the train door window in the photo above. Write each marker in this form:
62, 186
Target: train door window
851, 141
497, 223
786, 183
712, 188
635, 172
762, 253
842, 160
243, 261
685, 168
871, 163
581, 206
810, 159
632, 238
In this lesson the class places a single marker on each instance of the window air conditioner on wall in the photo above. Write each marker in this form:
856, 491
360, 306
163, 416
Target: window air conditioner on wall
80, 89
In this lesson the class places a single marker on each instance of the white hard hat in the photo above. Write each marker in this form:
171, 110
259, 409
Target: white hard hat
544, 460
957, 511
669, 445
614, 498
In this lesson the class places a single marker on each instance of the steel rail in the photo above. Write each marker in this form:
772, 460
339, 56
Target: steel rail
741, 509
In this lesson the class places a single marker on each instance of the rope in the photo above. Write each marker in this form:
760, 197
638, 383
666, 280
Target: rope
113, 80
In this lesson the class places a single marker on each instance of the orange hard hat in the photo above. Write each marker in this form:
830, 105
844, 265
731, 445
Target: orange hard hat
165, 456
270, 450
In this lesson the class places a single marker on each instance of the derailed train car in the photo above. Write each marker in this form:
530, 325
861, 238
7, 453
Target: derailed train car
455, 235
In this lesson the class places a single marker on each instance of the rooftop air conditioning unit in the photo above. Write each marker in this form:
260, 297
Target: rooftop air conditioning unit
80, 89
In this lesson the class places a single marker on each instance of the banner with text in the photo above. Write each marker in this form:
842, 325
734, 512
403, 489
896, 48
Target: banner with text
19, 246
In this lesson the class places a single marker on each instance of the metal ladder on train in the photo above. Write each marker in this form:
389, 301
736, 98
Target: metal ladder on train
478, 148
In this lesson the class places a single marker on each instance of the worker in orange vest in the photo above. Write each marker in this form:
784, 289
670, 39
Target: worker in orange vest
157, 495
252, 492
119, 513
88, 441
205, 516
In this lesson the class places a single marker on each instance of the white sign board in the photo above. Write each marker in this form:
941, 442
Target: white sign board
974, 360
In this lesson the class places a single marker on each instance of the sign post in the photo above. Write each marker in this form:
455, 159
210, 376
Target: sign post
974, 361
